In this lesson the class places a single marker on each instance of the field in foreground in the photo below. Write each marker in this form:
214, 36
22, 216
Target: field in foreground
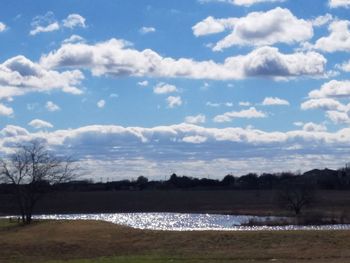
89, 241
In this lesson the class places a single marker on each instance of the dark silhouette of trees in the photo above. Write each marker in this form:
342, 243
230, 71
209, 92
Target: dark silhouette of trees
296, 197
229, 181
31, 170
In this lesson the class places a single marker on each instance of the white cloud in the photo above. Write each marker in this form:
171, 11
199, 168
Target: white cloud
298, 123
50, 106
19, 75
247, 114
324, 104
338, 39
212, 104
174, 101
44, 23
146, 30
41, 29
126, 61
143, 83
2, 27
244, 103
40, 124
313, 127
344, 66
197, 119
338, 117
332, 89
274, 101
211, 25
194, 139
74, 20
339, 3
329, 98
101, 103
278, 25
190, 149
164, 88
242, 2
322, 20
114, 95
48, 23
73, 39
100, 141
5, 111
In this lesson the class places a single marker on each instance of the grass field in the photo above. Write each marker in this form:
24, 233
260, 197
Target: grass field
89, 241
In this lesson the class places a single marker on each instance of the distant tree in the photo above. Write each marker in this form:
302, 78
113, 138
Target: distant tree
268, 181
296, 197
229, 180
249, 181
32, 169
141, 182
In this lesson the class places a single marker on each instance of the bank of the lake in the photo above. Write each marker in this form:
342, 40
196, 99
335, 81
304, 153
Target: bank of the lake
238, 202
92, 240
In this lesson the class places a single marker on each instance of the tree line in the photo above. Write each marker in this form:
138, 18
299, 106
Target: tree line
325, 179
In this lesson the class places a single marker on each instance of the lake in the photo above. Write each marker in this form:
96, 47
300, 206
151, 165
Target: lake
188, 222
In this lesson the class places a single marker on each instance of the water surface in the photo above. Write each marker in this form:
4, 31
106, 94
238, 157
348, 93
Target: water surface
187, 222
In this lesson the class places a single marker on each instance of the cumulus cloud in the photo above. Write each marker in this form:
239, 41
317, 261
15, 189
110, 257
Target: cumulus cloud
324, 104
48, 23
74, 20
337, 40
268, 101
101, 104
41, 29
50, 106
211, 25
169, 147
332, 89
40, 124
330, 98
339, 3
19, 75
197, 119
174, 101
44, 23
313, 127
146, 30
338, 117
164, 88
116, 58
344, 66
252, 112
5, 110
278, 25
322, 20
2, 27
242, 2
73, 39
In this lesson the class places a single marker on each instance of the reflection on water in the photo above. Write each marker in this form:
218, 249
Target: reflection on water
187, 222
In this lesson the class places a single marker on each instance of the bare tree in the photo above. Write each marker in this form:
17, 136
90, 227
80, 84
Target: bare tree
32, 168
296, 197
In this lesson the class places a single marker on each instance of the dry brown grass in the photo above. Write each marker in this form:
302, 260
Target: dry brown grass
60, 240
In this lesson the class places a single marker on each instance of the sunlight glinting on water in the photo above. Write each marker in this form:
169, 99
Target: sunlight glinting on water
187, 222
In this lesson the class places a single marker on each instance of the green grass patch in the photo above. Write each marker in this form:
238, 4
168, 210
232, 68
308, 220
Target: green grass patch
6, 223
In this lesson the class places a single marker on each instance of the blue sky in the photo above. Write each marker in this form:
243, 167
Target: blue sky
196, 87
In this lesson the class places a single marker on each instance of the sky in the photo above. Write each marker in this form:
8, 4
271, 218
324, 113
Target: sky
201, 88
